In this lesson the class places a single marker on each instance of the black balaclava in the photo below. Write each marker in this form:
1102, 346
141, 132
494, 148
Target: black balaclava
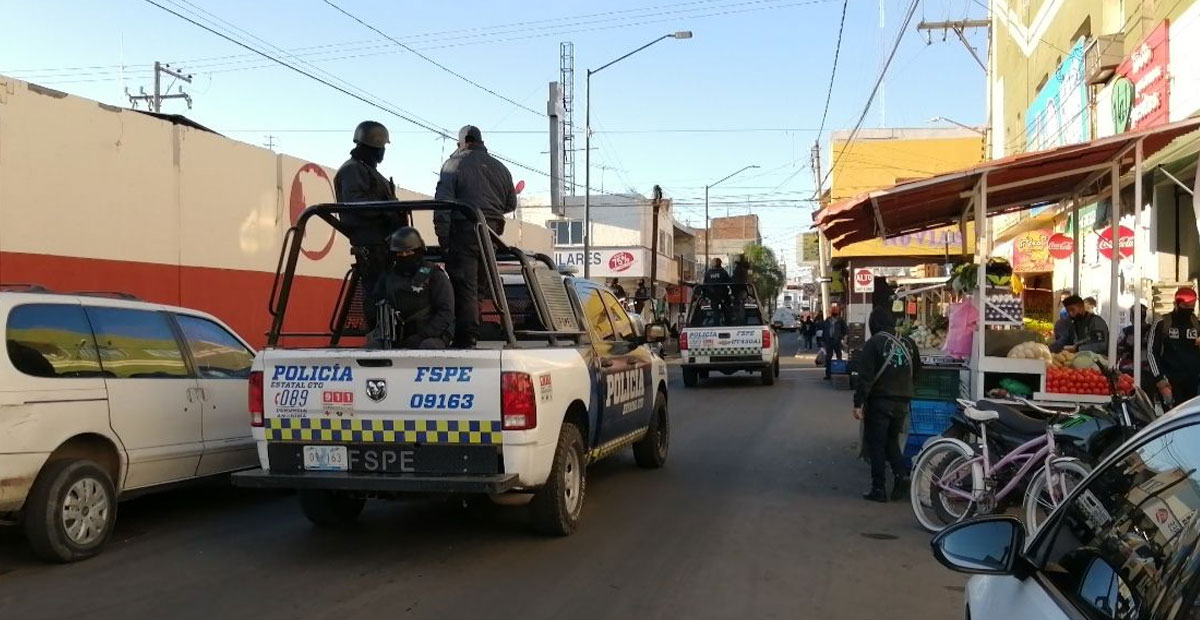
370, 155
409, 264
881, 320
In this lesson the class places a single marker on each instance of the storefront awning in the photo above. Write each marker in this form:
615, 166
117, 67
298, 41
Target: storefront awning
1017, 182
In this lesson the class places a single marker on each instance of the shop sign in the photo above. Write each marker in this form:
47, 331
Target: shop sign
1031, 252
609, 263
1141, 91
1061, 246
864, 280
1184, 71
1059, 114
1125, 242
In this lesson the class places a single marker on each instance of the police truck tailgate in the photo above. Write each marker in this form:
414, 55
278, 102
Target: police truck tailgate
402, 412
706, 344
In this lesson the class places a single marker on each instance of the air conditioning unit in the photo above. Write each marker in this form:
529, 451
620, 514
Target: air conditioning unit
1102, 57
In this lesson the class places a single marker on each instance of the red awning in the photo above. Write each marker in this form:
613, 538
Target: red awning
1017, 182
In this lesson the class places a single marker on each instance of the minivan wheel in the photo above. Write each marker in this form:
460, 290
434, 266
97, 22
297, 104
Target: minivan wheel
330, 508
70, 512
556, 507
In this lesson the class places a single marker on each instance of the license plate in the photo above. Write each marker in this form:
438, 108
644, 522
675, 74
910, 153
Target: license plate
703, 359
325, 458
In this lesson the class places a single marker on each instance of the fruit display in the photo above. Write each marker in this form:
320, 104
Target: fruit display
1031, 351
1076, 381
1003, 308
1063, 359
1045, 329
926, 337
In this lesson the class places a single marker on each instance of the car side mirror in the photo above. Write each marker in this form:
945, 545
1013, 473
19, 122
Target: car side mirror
639, 325
656, 333
987, 546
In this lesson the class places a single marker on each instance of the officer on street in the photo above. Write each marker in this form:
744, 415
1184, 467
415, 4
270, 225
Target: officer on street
359, 180
1173, 350
474, 177
417, 301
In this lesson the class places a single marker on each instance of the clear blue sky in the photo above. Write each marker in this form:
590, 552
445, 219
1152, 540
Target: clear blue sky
753, 64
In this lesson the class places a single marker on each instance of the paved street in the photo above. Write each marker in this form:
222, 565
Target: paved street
757, 515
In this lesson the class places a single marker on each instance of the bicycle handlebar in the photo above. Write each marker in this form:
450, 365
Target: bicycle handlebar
1051, 412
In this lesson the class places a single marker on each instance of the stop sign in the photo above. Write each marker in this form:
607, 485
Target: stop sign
864, 280
1124, 243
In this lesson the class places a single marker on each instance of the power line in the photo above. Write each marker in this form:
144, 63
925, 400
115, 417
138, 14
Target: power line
434, 62
664, 130
912, 10
837, 51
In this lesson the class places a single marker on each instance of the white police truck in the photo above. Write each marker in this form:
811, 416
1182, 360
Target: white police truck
561, 378
725, 331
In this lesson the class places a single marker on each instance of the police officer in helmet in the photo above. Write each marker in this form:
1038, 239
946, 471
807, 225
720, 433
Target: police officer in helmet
416, 300
359, 180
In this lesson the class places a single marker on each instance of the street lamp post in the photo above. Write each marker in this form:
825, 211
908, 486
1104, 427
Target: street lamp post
706, 221
587, 147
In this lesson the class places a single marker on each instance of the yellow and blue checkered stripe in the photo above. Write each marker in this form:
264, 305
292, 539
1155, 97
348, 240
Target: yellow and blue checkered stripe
359, 430
716, 351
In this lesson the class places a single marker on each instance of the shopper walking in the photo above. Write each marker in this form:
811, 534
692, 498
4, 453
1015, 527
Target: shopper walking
887, 367
835, 331
808, 328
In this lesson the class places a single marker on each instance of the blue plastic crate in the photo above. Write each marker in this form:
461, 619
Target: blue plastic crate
839, 367
930, 417
913, 446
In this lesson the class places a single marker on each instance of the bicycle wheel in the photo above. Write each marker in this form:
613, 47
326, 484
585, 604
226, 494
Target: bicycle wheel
1044, 494
944, 469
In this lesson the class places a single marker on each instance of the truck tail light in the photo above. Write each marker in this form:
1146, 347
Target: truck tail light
766, 339
518, 407
255, 399
683, 343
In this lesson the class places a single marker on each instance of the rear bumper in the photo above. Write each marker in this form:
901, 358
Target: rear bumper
747, 365
384, 483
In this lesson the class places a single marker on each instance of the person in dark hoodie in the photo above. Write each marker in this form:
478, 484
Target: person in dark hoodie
886, 369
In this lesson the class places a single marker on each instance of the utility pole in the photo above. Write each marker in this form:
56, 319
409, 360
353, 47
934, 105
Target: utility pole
959, 28
155, 100
657, 202
823, 248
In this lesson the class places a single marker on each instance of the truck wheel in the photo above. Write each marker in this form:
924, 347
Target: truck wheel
70, 513
557, 505
651, 451
689, 377
776, 368
329, 508
703, 374
768, 375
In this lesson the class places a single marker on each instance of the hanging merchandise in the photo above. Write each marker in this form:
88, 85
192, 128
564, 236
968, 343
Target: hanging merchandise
961, 334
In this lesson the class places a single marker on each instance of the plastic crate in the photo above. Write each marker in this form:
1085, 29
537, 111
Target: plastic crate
913, 446
936, 384
839, 367
930, 417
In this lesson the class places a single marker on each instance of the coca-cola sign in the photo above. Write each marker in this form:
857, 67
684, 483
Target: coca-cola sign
1061, 246
621, 261
1125, 237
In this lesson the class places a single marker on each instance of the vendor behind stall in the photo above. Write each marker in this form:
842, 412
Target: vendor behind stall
1087, 331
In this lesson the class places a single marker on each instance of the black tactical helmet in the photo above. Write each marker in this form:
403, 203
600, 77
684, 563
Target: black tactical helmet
371, 133
406, 239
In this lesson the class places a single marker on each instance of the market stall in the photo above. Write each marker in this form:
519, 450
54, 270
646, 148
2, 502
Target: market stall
1070, 174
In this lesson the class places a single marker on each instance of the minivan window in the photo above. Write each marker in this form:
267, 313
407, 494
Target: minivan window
136, 344
51, 340
218, 354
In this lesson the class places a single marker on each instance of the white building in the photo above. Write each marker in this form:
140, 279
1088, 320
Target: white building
621, 240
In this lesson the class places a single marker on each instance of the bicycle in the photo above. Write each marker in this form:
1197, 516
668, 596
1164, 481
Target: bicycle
954, 481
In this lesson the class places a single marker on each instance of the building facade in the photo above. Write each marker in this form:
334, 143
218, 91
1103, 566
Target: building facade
727, 237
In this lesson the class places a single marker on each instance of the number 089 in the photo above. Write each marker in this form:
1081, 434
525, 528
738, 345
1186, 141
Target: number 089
441, 401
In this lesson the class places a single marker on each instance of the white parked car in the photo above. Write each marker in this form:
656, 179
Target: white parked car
104, 396
1126, 543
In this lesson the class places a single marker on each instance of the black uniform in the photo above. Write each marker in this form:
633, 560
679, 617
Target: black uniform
640, 295
359, 180
886, 367
718, 295
1173, 355
1086, 332
422, 295
474, 177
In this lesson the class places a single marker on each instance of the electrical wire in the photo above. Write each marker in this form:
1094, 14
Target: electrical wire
837, 51
432, 61
912, 10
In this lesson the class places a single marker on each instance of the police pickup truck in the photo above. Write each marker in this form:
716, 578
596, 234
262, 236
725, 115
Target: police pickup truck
561, 378
725, 331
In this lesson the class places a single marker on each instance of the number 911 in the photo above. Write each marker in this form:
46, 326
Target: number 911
441, 401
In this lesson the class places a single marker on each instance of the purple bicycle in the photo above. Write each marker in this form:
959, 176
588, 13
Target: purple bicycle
952, 480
